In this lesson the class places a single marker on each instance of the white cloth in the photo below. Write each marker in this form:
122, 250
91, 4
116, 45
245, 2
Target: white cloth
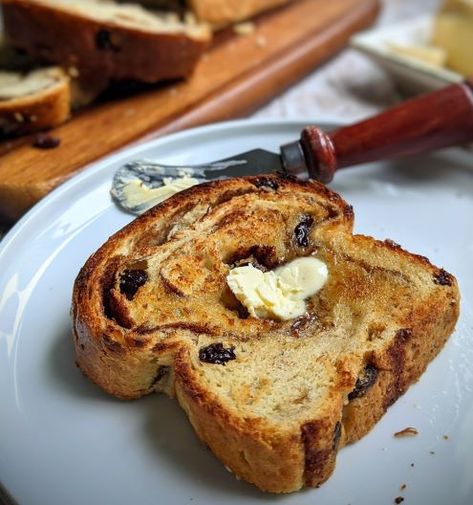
350, 86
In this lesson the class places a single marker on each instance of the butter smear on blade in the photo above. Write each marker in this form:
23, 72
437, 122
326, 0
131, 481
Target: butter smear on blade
137, 192
278, 294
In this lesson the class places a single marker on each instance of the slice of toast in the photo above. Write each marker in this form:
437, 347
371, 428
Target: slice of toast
34, 100
106, 40
274, 400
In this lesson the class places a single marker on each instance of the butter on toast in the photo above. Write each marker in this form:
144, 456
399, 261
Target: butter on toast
274, 400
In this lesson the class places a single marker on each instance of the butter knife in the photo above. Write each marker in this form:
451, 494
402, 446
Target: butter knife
432, 121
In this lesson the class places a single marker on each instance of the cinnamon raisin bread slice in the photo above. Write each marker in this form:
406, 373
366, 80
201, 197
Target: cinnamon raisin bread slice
273, 399
33, 100
105, 39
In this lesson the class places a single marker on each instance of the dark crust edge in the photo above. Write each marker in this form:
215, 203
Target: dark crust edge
319, 451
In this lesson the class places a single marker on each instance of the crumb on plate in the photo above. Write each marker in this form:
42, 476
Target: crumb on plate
406, 432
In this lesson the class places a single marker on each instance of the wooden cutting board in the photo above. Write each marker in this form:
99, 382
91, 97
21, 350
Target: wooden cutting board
236, 76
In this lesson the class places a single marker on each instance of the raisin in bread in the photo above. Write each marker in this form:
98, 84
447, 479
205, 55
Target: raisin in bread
274, 400
105, 41
33, 100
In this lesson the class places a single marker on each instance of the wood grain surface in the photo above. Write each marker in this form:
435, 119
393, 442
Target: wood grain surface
237, 75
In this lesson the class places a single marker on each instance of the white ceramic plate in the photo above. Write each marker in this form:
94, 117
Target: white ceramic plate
63, 441
411, 74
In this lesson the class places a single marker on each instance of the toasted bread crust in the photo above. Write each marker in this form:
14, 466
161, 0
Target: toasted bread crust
37, 111
278, 457
100, 48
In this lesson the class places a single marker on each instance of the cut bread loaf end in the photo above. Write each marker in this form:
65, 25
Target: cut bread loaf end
105, 39
33, 101
274, 400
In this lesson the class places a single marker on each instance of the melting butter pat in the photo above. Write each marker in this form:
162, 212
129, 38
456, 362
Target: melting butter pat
137, 192
281, 293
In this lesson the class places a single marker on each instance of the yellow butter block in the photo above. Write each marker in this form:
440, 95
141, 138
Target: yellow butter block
453, 32
435, 56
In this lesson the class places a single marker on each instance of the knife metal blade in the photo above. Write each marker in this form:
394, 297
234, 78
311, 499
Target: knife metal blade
135, 185
255, 162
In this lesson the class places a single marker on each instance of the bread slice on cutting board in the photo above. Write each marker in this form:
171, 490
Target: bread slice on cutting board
273, 399
33, 100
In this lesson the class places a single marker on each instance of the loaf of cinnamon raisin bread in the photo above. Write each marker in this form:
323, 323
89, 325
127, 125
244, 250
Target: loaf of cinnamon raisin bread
104, 40
274, 398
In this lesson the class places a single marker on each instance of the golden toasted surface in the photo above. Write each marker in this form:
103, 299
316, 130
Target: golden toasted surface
274, 400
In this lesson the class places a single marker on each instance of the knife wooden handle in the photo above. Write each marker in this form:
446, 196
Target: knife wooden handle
432, 121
